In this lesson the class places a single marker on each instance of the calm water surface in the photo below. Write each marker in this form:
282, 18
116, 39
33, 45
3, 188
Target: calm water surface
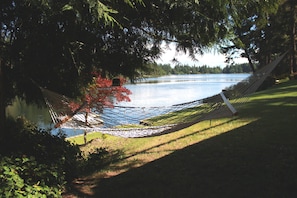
151, 92
176, 89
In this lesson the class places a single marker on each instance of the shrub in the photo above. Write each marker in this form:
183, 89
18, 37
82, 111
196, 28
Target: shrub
24, 177
35, 162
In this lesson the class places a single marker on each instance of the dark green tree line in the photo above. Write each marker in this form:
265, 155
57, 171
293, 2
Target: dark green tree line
161, 70
239, 68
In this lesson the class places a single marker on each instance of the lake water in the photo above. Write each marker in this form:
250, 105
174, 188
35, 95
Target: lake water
176, 89
150, 92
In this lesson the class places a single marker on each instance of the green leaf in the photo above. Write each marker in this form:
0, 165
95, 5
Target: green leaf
67, 7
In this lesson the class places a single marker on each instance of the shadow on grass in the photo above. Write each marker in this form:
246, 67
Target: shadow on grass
241, 163
79, 189
255, 160
176, 139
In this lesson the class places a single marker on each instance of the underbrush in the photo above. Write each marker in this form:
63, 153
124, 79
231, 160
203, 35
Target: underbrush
35, 163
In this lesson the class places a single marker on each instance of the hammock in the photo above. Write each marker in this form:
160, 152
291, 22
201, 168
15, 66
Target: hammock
132, 122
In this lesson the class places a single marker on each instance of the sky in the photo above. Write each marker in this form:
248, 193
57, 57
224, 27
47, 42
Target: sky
211, 58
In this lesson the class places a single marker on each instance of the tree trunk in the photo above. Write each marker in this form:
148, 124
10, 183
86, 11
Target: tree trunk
2, 100
250, 60
86, 123
293, 39
85, 137
86, 118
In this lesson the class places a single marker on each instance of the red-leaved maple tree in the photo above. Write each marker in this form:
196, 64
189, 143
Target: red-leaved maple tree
99, 94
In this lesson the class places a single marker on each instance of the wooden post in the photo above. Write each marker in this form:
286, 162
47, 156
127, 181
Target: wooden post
226, 101
85, 137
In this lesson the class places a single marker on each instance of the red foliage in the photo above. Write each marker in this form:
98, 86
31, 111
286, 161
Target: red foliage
101, 94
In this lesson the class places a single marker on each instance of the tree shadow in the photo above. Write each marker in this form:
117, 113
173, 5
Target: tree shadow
82, 187
255, 160
240, 163
179, 138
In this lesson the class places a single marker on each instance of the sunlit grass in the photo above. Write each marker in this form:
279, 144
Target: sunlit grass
260, 141
90, 136
185, 115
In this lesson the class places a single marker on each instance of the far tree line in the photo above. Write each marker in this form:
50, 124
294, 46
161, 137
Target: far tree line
155, 69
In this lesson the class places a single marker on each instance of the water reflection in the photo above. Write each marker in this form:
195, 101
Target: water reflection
38, 115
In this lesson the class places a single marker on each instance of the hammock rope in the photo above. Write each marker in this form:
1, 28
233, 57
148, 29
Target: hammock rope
144, 121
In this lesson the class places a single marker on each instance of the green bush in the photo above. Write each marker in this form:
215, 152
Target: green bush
35, 162
24, 177
95, 160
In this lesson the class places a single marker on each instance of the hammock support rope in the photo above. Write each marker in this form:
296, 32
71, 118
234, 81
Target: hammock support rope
143, 121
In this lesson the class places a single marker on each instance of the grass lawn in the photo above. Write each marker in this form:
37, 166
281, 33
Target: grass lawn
253, 154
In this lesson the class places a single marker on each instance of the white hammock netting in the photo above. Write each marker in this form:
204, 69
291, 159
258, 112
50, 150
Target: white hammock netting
151, 121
